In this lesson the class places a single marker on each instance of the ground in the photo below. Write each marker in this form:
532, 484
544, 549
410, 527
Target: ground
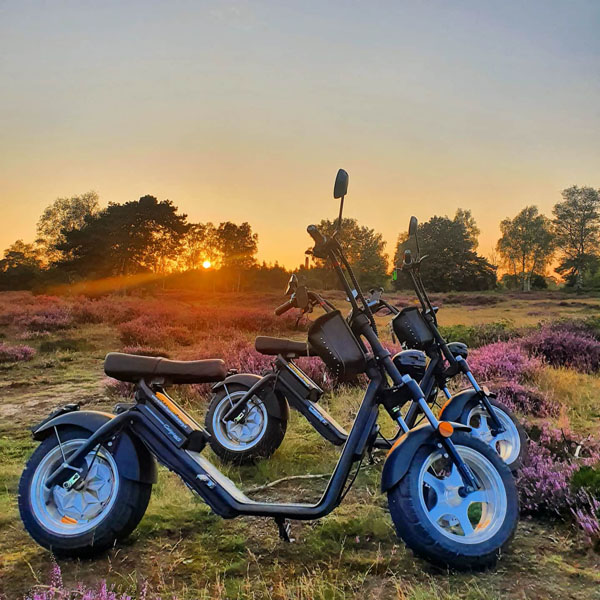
181, 548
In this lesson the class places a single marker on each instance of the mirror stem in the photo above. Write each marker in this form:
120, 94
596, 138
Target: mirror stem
339, 223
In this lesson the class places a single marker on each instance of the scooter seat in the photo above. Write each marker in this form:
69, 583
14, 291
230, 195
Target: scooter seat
273, 346
133, 368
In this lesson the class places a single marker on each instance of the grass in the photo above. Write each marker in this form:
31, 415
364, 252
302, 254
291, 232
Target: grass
181, 548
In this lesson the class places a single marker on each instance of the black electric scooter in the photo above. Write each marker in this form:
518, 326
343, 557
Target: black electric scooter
87, 485
248, 414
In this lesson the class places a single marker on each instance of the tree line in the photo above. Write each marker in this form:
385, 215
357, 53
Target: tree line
77, 240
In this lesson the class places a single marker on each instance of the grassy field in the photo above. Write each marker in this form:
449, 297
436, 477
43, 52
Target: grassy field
180, 548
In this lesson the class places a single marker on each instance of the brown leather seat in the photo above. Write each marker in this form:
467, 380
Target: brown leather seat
272, 346
132, 368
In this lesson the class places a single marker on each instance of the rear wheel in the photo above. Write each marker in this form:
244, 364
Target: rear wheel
90, 517
443, 524
256, 435
510, 444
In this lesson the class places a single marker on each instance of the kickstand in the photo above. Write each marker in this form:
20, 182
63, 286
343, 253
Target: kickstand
285, 529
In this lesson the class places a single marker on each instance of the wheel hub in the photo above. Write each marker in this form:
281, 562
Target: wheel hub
87, 500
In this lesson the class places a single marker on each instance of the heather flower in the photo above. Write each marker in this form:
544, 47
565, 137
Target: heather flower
11, 354
564, 348
525, 399
57, 591
51, 319
503, 361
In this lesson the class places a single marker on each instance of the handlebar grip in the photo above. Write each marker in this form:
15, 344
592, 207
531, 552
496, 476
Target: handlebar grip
316, 235
284, 307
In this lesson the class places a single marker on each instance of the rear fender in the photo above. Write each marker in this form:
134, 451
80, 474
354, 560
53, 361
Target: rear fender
132, 457
454, 407
274, 402
403, 451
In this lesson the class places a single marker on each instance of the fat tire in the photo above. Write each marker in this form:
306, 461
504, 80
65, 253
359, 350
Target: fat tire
265, 448
124, 516
524, 440
420, 535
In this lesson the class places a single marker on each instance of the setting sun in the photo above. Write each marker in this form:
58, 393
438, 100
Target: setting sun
207, 264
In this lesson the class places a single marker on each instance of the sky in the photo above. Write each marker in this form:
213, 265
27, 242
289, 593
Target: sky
244, 111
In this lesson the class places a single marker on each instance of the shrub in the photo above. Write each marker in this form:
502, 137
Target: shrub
12, 354
145, 351
479, 335
118, 390
503, 361
52, 319
552, 484
587, 478
154, 330
525, 399
471, 299
563, 348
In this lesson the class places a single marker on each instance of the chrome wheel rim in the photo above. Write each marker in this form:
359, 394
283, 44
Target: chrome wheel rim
244, 435
472, 519
507, 443
82, 508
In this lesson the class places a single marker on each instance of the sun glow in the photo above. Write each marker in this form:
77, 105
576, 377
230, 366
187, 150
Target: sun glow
207, 264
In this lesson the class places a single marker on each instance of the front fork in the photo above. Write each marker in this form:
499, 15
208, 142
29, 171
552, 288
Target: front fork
445, 442
496, 424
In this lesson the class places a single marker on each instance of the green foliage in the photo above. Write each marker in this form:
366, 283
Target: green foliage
479, 335
451, 263
125, 239
21, 266
63, 215
364, 248
577, 231
514, 282
526, 245
587, 478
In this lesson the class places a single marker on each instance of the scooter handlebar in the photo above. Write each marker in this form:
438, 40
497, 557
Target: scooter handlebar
316, 235
284, 307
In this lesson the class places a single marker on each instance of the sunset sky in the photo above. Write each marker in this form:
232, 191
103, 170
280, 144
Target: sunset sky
244, 111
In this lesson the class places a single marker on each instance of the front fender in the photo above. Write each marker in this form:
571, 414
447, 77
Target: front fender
132, 457
403, 451
276, 404
453, 408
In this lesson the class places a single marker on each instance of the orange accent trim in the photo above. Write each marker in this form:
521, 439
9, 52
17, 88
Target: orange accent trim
396, 444
444, 405
68, 520
177, 410
445, 428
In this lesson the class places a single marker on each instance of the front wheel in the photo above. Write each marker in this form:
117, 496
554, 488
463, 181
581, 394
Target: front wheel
94, 514
256, 435
443, 524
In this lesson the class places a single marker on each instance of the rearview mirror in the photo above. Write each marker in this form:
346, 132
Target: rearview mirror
302, 300
340, 189
413, 226
292, 285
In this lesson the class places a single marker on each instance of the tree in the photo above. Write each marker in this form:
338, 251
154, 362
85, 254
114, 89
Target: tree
124, 239
237, 246
200, 245
21, 266
364, 248
451, 263
63, 215
526, 245
577, 231
466, 218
